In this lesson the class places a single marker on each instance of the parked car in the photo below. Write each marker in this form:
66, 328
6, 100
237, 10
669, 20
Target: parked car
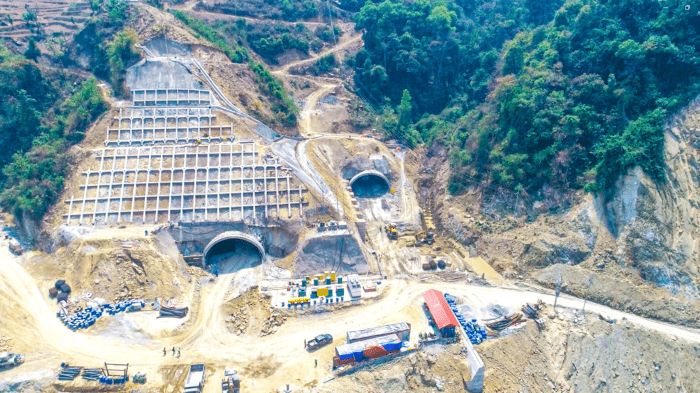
319, 341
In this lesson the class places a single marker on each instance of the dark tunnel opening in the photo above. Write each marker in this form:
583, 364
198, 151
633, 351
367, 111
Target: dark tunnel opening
370, 186
231, 255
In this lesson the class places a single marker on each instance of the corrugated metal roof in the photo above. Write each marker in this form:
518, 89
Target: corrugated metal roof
439, 309
343, 351
357, 335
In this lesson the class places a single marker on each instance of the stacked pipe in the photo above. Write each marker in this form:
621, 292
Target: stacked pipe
173, 312
124, 305
475, 332
505, 322
80, 320
110, 380
85, 318
69, 373
92, 374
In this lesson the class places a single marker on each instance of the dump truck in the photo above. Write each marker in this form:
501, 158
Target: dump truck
391, 231
231, 382
15, 247
195, 379
9, 360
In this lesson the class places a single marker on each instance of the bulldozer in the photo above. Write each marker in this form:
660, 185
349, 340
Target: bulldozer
391, 231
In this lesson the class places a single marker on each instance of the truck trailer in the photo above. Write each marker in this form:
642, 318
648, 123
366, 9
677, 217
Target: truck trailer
195, 379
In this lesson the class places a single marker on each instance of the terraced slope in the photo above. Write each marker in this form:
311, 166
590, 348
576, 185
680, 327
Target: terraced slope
55, 18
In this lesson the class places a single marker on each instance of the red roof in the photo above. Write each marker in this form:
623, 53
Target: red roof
439, 309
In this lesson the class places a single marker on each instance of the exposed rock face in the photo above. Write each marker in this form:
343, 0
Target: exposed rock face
324, 252
656, 225
647, 229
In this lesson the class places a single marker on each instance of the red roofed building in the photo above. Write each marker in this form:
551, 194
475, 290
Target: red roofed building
441, 313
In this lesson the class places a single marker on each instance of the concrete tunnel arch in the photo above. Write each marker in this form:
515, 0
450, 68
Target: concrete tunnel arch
233, 235
371, 173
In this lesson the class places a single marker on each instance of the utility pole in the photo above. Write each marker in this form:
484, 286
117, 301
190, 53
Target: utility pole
590, 282
556, 293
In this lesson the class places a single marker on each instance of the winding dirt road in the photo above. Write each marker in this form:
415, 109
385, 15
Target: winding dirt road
208, 340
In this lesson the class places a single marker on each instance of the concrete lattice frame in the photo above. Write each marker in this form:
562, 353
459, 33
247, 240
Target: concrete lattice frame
159, 184
183, 160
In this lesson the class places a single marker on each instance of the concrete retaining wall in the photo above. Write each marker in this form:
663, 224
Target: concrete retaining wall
476, 365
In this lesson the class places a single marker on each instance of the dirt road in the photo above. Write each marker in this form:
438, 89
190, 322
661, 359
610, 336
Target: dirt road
207, 340
345, 43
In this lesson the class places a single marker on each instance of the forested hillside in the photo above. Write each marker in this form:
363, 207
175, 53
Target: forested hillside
528, 93
47, 108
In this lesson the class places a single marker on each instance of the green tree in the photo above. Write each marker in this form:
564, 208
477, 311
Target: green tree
405, 109
121, 52
32, 52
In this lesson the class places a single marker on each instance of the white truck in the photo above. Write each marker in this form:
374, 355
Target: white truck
15, 247
8, 360
195, 379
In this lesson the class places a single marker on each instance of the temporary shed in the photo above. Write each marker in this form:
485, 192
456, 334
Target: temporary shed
441, 313
364, 348
402, 330
354, 287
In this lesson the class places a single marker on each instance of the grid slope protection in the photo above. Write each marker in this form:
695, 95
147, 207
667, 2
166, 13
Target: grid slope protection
175, 164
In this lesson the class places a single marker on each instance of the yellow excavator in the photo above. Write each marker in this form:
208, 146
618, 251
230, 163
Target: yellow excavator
391, 231
424, 237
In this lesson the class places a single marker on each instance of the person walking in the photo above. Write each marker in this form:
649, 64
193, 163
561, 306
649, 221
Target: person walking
164, 351
178, 353
173, 351
315, 362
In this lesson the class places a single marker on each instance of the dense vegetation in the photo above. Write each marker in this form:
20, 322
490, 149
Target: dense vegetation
36, 128
527, 92
44, 111
229, 38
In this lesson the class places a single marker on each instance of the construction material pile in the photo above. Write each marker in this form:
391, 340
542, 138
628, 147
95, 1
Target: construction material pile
69, 373
173, 312
475, 332
83, 319
532, 311
92, 374
505, 322
60, 291
139, 377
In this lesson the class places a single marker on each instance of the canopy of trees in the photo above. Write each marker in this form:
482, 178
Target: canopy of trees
529, 93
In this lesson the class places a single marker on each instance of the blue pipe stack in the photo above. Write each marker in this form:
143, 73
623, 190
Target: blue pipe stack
86, 318
107, 380
474, 331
